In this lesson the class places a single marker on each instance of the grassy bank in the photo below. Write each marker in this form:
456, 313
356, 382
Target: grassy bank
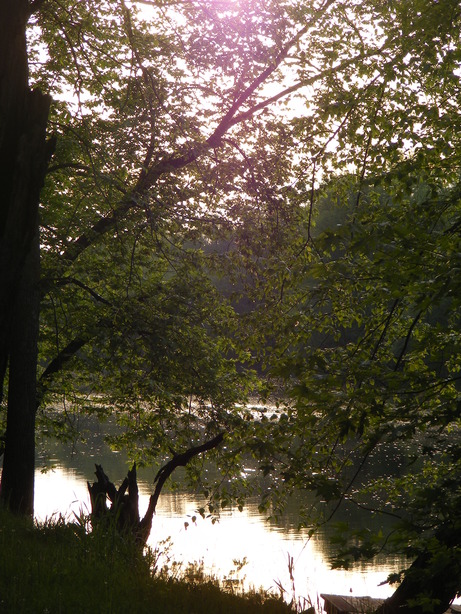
60, 568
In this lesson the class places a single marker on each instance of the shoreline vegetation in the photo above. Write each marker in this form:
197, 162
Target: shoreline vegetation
60, 567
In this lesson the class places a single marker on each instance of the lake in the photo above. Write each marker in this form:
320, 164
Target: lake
237, 536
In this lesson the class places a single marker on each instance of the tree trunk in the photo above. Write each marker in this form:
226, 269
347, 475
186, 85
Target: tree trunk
13, 94
19, 459
24, 155
123, 513
434, 578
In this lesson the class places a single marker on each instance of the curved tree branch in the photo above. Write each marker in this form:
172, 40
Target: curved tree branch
57, 364
181, 460
178, 460
64, 281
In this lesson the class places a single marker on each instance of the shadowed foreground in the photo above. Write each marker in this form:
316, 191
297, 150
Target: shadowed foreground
59, 567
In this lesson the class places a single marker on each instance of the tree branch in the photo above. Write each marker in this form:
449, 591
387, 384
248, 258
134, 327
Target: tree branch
174, 162
57, 364
63, 281
181, 460
407, 340
35, 5
57, 167
148, 178
178, 460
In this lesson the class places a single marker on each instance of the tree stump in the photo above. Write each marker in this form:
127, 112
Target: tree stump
120, 507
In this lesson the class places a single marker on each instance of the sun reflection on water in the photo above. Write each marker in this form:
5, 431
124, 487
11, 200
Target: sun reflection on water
236, 536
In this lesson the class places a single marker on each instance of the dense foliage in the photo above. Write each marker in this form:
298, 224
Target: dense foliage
371, 353
257, 196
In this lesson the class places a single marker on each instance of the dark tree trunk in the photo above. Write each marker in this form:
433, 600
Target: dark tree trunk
435, 576
19, 459
24, 155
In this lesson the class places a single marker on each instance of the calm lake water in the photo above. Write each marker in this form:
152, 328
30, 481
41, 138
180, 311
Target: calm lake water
237, 536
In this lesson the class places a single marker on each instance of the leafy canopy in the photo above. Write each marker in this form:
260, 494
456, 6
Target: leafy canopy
369, 349
261, 184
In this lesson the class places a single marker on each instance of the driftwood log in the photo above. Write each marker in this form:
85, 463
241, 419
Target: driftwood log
121, 506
